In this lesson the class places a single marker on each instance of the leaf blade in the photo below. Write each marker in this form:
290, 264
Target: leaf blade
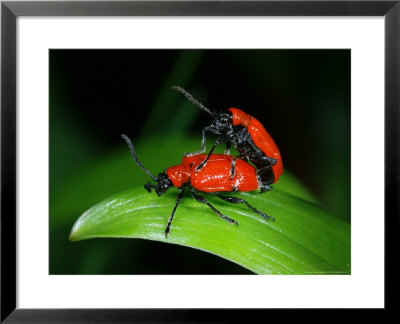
291, 245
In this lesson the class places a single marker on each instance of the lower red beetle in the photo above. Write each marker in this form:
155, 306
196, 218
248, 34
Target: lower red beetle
214, 178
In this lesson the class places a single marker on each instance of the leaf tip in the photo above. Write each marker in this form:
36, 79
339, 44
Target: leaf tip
74, 234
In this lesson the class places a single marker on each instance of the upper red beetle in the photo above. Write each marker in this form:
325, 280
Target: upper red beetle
247, 135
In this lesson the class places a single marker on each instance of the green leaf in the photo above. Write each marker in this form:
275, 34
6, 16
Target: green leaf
304, 239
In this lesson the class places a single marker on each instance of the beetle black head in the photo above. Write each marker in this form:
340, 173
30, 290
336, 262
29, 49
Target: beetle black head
222, 123
163, 184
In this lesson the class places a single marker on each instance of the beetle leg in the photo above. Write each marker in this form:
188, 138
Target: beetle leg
271, 162
178, 200
235, 200
228, 148
148, 187
263, 169
203, 142
232, 170
265, 188
202, 164
204, 201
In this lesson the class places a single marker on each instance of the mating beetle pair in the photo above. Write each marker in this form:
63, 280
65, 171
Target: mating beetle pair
215, 173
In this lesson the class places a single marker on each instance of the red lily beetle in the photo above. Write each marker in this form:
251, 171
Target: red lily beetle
247, 135
213, 178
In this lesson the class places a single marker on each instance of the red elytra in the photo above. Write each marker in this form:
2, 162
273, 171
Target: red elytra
261, 138
215, 176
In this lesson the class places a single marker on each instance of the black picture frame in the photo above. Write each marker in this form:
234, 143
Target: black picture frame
10, 10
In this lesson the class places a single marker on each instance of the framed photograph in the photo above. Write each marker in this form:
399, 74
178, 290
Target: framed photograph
163, 159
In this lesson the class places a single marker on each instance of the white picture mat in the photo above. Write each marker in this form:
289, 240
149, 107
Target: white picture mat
363, 288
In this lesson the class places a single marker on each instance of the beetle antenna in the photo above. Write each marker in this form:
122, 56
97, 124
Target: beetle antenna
132, 149
192, 99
